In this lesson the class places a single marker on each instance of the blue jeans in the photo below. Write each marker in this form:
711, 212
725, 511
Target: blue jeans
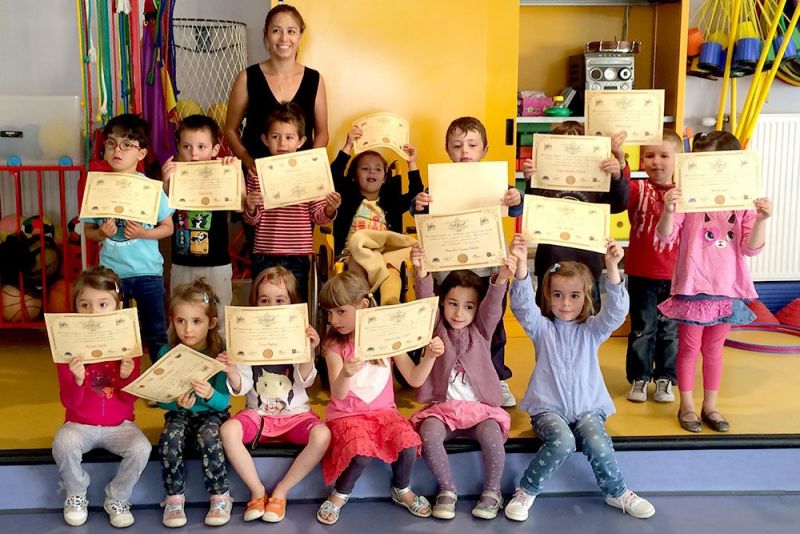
558, 442
299, 266
149, 294
653, 340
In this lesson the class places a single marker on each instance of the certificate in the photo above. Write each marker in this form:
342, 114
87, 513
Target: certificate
639, 113
206, 185
571, 162
289, 179
98, 337
267, 335
465, 240
465, 186
118, 195
172, 375
382, 130
718, 181
568, 223
385, 331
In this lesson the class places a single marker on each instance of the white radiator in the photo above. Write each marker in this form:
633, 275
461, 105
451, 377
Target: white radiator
777, 137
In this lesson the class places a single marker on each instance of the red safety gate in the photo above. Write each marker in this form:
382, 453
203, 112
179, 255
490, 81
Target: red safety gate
41, 247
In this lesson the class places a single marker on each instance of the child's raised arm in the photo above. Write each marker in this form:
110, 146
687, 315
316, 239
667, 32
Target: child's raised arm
671, 198
411, 152
758, 233
167, 170
418, 260
614, 254
519, 249
340, 372
353, 135
307, 368
416, 375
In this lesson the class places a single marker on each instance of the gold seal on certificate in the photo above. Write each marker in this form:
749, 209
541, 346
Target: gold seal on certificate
465, 240
97, 337
382, 130
172, 375
384, 331
571, 162
568, 223
118, 195
289, 179
458, 187
267, 335
639, 113
206, 185
718, 181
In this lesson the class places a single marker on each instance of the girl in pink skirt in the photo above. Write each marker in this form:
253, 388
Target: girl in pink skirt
710, 286
462, 391
362, 414
277, 409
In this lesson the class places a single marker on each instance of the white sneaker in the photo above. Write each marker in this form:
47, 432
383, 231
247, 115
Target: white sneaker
517, 508
508, 398
638, 392
219, 511
663, 391
174, 516
632, 504
76, 509
119, 513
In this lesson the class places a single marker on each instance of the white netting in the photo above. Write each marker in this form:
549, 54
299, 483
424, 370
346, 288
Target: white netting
208, 55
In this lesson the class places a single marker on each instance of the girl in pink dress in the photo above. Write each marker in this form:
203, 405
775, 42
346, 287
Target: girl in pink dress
362, 414
463, 394
710, 286
277, 409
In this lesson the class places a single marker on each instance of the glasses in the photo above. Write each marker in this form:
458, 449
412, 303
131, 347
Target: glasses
124, 146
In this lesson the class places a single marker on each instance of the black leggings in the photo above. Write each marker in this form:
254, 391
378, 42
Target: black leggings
401, 471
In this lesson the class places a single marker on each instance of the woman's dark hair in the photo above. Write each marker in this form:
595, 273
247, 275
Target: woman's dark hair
284, 8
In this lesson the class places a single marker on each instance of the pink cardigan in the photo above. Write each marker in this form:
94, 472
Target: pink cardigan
711, 253
470, 346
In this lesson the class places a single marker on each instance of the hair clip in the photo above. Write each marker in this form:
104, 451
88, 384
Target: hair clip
555, 267
116, 287
205, 297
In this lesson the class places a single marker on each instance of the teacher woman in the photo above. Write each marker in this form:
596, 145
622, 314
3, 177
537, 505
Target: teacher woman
258, 89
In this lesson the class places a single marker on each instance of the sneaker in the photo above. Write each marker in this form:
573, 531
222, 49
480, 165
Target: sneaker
174, 516
219, 512
663, 391
76, 509
517, 508
119, 513
638, 392
632, 504
508, 398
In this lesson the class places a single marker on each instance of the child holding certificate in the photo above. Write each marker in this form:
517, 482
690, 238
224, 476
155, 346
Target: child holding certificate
653, 339
98, 413
617, 197
567, 398
710, 286
362, 415
462, 392
372, 199
200, 242
277, 409
131, 248
195, 417
284, 236
466, 141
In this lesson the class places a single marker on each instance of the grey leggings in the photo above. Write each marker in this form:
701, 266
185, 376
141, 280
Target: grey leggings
488, 433
401, 471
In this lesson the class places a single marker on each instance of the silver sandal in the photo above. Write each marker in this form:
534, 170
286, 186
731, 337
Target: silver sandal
420, 503
328, 513
445, 510
488, 511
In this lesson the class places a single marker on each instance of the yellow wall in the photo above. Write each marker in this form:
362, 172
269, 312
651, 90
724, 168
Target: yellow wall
429, 61
548, 35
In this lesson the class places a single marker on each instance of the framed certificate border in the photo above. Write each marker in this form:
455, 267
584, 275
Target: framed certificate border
275, 178
578, 179
544, 228
105, 327
266, 354
717, 189
385, 141
422, 317
633, 105
142, 206
231, 201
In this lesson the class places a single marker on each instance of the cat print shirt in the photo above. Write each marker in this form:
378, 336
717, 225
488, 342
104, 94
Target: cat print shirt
200, 238
276, 390
711, 253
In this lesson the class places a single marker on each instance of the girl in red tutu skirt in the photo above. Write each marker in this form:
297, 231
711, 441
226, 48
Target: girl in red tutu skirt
463, 391
362, 415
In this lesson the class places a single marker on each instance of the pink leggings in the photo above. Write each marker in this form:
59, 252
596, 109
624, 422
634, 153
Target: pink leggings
694, 339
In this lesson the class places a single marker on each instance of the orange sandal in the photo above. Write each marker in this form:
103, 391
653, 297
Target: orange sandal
255, 508
275, 510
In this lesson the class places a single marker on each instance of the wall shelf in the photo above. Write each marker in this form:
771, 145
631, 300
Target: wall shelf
556, 120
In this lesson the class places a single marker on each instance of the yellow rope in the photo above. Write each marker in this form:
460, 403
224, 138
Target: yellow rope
734, 26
